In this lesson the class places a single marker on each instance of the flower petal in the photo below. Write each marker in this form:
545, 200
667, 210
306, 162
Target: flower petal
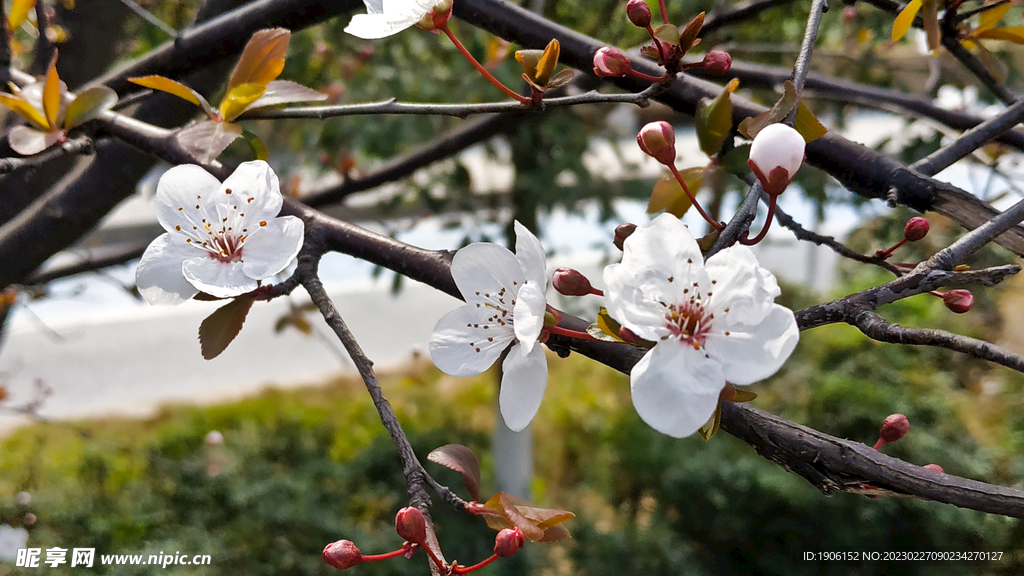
254, 188
271, 248
374, 26
483, 268
179, 191
159, 277
220, 279
524, 378
662, 242
752, 354
530, 254
741, 286
27, 141
528, 315
675, 388
461, 345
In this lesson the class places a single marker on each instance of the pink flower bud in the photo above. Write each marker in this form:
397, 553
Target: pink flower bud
958, 301
639, 13
342, 554
630, 337
935, 467
775, 156
915, 229
571, 282
849, 14
411, 525
894, 427
623, 231
658, 140
717, 62
610, 62
29, 520
508, 542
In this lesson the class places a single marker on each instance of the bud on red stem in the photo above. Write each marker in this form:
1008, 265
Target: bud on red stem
411, 525
894, 427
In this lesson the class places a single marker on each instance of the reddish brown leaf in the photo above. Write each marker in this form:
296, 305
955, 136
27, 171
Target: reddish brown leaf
462, 460
221, 327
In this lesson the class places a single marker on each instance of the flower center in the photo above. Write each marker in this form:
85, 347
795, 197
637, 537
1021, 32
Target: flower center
218, 229
689, 321
502, 302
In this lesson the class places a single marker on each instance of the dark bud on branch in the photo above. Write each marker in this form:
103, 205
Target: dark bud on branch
894, 427
639, 13
623, 231
958, 301
508, 542
569, 282
717, 62
916, 229
411, 525
342, 554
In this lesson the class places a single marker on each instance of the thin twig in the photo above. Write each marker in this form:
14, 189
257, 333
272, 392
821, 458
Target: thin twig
877, 328
740, 223
803, 59
392, 106
839, 248
970, 141
74, 146
42, 53
738, 12
149, 17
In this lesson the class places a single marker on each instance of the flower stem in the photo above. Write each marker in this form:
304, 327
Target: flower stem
879, 444
508, 91
664, 10
885, 253
767, 223
474, 567
399, 552
693, 199
569, 333
654, 79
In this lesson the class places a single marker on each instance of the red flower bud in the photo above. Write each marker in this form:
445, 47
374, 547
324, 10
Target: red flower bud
623, 231
935, 467
630, 337
610, 61
717, 62
658, 140
915, 229
571, 282
894, 427
508, 542
958, 301
639, 13
411, 525
342, 554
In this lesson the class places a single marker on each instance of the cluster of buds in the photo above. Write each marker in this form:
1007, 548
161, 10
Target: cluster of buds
411, 525
610, 62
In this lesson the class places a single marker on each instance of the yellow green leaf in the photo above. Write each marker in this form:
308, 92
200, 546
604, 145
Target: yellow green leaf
607, 324
905, 19
24, 109
1013, 34
749, 127
19, 13
259, 149
177, 89
669, 195
51, 93
238, 99
89, 104
262, 60
714, 119
547, 63
529, 59
708, 430
743, 396
807, 124
668, 34
989, 18
597, 334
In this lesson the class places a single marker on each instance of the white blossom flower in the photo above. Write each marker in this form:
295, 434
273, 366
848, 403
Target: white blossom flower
221, 239
387, 17
711, 322
11, 540
775, 155
505, 304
